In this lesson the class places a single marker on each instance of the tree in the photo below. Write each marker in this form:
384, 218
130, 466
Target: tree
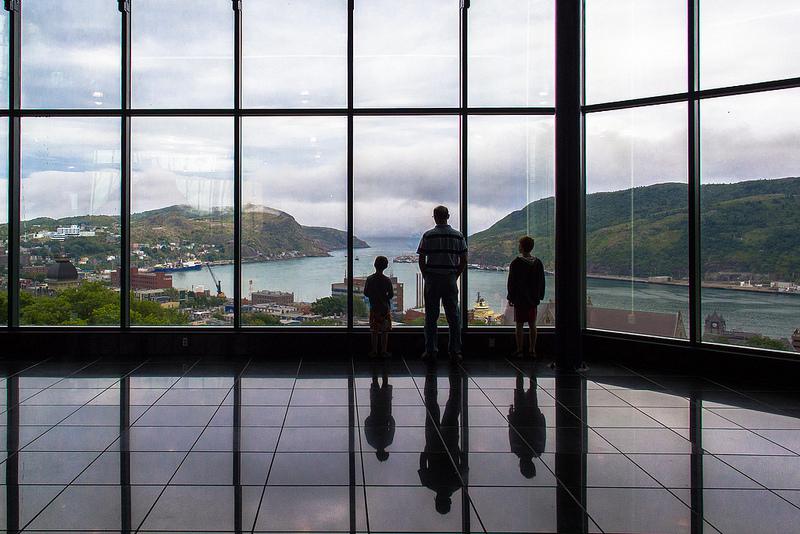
46, 311
3, 307
337, 305
260, 319
764, 342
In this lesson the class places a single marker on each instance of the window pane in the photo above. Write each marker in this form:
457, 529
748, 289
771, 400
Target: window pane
4, 30
70, 54
70, 200
511, 188
512, 53
406, 53
4, 222
295, 53
635, 48
182, 221
294, 220
403, 168
636, 221
750, 219
742, 41
182, 54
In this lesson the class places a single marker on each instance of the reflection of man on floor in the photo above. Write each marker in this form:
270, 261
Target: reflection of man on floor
526, 426
436, 470
379, 425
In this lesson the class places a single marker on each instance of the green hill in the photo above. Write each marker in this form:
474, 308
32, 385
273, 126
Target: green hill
267, 234
751, 226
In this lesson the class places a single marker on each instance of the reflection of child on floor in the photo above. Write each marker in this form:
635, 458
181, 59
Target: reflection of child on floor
525, 292
378, 289
379, 425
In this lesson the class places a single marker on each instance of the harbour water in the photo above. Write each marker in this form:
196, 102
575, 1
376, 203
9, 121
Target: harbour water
772, 314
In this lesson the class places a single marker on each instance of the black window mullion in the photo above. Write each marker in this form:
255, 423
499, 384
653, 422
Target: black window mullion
125, 168
237, 166
464, 20
693, 80
350, 229
14, 185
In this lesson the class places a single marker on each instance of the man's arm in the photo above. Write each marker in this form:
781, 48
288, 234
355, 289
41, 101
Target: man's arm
462, 263
422, 263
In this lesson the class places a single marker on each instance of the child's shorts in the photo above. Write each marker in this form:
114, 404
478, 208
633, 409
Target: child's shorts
525, 315
380, 322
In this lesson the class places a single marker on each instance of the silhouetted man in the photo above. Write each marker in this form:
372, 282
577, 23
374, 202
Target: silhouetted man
442, 258
436, 469
379, 425
526, 426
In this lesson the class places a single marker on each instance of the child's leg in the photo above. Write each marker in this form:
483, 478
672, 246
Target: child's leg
519, 334
385, 342
374, 339
532, 334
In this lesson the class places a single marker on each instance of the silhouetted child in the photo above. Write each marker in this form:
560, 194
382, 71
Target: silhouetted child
525, 292
378, 289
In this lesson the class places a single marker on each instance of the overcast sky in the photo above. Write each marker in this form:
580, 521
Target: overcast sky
406, 55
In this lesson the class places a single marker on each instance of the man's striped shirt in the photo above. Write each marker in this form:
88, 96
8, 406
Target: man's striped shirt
442, 247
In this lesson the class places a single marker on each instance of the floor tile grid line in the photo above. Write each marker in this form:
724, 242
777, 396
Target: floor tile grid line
428, 414
186, 455
542, 462
793, 453
275, 453
628, 457
763, 487
10, 454
129, 373
73, 373
354, 397
660, 424
754, 431
28, 368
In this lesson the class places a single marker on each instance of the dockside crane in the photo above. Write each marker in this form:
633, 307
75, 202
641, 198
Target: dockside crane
217, 283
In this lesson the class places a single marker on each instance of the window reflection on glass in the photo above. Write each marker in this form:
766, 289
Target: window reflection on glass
750, 217
403, 168
406, 53
742, 41
294, 221
69, 59
637, 221
295, 53
634, 48
511, 194
4, 31
4, 222
182, 221
70, 225
512, 53
182, 53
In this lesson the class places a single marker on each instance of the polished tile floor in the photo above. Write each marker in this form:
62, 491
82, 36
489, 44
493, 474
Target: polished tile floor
398, 446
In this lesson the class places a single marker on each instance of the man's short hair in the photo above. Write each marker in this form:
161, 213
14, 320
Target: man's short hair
381, 263
441, 212
526, 243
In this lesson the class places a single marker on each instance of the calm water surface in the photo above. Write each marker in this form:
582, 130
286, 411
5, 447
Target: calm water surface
774, 315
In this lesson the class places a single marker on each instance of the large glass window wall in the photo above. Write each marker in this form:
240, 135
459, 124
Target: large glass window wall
211, 164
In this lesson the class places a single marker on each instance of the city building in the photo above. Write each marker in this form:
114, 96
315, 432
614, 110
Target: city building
668, 325
61, 275
145, 279
272, 297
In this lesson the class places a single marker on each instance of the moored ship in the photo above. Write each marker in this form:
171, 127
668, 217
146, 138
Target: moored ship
177, 267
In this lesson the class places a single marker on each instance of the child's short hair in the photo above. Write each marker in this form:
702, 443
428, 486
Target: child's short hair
381, 263
526, 243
